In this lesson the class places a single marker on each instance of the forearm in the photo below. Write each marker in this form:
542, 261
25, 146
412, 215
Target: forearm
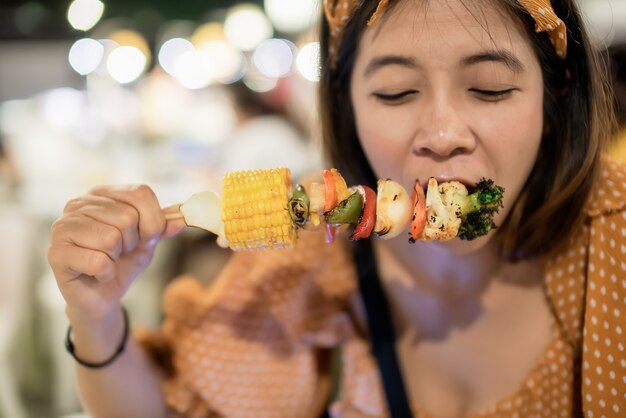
128, 387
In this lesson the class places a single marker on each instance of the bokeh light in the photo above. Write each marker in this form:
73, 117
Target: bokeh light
274, 57
194, 70
86, 55
308, 61
126, 63
171, 51
259, 82
246, 26
84, 14
292, 16
129, 37
228, 62
207, 32
109, 46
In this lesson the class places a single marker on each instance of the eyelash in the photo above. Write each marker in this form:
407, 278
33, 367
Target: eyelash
493, 95
394, 98
486, 95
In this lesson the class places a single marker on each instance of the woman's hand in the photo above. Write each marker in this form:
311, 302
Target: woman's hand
102, 242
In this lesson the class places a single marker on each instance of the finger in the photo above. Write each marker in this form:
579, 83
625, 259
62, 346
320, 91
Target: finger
69, 262
173, 226
142, 198
87, 233
121, 215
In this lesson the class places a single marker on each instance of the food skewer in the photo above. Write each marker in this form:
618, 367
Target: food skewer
259, 209
174, 216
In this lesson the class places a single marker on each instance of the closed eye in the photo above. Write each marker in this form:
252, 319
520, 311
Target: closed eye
493, 95
396, 98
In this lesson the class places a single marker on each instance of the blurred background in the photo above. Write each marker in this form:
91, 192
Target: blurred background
171, 94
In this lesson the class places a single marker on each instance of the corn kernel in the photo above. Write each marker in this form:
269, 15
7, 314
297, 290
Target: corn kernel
254, 214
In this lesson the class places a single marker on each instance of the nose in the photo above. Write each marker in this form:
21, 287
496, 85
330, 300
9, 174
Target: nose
443, 131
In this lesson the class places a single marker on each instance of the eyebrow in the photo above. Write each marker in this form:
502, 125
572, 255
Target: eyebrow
499, 56
385, 60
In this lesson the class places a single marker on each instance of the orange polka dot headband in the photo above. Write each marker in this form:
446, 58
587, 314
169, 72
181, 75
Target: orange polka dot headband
339, 11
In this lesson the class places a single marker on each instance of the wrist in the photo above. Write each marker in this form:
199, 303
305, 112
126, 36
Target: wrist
95, 340
92, 317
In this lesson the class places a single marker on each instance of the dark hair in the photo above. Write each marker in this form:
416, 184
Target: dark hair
578, 120
617, 58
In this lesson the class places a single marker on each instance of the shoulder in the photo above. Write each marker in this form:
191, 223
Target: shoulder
609, 194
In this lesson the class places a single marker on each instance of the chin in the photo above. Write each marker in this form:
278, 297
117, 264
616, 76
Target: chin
461, 247
455, 246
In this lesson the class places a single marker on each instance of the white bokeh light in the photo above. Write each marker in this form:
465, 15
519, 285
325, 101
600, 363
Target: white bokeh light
86, 55
228, 61
84, 14
258, 82
126, 63
171, 51
109, 46
246, 26
274, 57
195, 70
292, 15
308, 61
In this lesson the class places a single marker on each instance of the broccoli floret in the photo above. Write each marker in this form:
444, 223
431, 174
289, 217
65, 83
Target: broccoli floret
477, 209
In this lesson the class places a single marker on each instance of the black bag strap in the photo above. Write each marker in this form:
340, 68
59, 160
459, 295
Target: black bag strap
382, 336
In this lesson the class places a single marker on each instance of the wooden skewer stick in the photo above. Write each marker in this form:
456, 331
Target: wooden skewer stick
173, 216
202, 210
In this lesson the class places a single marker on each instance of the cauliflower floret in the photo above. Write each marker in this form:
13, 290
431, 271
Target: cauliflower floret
442, 215
448, 191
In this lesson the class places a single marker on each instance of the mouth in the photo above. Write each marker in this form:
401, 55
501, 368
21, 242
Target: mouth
469, 185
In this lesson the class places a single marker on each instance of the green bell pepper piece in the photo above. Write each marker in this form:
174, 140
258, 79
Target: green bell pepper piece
348, 211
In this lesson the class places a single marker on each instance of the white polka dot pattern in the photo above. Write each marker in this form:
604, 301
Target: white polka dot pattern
565, 276
587, 286
604, 355
245, 348
547, 21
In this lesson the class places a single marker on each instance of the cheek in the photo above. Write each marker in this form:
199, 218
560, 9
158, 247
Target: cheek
521, 138
383, 147
384, 142
514, 151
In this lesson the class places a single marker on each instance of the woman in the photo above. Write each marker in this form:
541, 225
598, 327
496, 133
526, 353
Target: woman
487, 328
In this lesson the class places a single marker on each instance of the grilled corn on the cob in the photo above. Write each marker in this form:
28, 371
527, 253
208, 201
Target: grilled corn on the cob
254, 209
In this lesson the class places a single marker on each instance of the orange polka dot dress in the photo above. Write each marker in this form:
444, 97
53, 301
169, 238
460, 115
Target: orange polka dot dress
255, 343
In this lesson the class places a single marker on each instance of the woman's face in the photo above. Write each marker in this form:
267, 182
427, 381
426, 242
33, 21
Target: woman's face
443, 90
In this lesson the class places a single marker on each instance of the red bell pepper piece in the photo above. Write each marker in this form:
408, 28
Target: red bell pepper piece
330, 197
418, 221
368, 216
